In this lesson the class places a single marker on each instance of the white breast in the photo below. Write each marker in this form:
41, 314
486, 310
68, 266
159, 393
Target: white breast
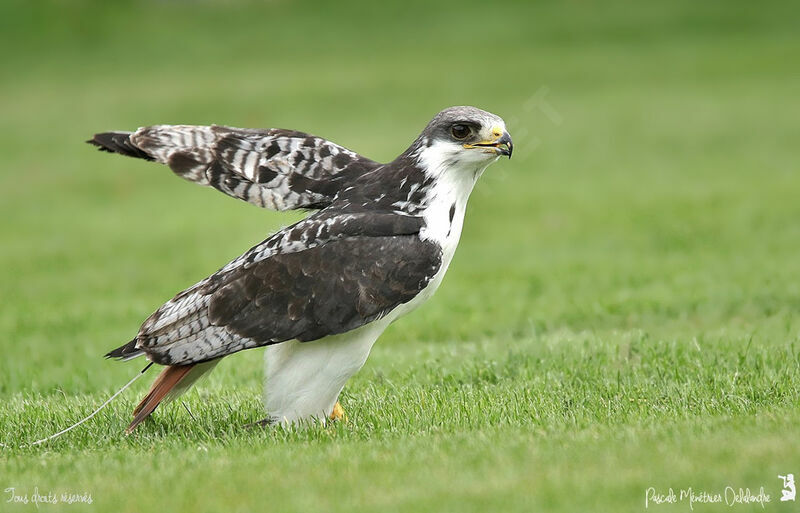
444, 231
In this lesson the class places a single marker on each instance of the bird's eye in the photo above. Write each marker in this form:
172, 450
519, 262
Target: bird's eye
460, 131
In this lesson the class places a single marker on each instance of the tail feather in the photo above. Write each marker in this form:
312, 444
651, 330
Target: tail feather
169, 378
119, 142
125, 352
199, 371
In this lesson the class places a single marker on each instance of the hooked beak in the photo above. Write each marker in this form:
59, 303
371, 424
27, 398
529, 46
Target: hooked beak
500, 144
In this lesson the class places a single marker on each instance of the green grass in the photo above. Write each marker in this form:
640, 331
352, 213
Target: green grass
622, 311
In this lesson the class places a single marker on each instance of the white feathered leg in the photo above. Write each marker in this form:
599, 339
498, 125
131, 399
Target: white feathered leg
304, 379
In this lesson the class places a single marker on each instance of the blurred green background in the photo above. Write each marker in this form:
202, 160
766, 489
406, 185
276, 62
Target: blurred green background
622, 311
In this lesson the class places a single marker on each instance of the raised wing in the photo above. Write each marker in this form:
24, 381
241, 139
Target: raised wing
322, 276
275, 168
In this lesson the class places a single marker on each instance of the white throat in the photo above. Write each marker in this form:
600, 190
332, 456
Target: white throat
454, 177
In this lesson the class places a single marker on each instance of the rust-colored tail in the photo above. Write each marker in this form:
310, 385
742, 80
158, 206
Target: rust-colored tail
166, 381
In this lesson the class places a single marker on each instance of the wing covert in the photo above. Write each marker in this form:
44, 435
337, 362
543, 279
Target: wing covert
322, 276
325, 290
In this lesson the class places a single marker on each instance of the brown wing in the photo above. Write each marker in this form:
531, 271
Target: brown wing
326, 290
324, 275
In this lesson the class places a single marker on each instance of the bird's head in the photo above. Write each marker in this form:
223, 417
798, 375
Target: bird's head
464, 136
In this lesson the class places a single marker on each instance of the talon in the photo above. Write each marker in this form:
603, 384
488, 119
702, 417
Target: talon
338, 412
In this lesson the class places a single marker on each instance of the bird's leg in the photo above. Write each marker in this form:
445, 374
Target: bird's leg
338, 412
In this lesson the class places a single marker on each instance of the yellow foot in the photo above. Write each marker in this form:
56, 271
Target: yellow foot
338, 412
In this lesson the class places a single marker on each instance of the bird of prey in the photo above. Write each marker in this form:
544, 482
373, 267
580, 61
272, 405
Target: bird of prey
320, 292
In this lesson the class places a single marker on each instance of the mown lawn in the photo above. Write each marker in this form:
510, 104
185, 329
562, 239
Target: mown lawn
622, 312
